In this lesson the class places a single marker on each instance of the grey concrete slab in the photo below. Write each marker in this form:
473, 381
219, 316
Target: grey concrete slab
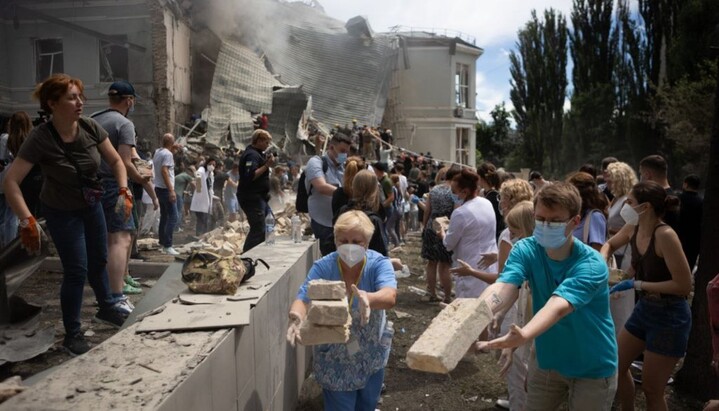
244, 357
261, 315
166, 288
223, 375
182, 317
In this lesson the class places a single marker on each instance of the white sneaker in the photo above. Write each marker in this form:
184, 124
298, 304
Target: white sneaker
170, 251
124, 305
502, 403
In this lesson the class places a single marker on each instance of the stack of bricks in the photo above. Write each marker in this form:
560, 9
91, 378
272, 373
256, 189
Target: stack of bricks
328, 318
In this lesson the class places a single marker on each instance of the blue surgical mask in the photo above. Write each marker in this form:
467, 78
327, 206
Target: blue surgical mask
455, 198
550, 235
341, 158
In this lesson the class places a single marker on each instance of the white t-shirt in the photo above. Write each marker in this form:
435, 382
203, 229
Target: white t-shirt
471, 233
163, 158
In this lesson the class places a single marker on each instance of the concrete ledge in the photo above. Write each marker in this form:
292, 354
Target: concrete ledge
245, 368
136, 267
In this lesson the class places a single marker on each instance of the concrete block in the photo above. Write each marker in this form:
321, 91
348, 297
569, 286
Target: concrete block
449, 336
313, 334
326, 290
329, 312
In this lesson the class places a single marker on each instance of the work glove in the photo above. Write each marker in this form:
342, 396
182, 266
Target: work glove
622, 286
293, 330
124, 203
363, 304
31, 235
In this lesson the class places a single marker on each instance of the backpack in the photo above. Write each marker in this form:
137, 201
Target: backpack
302, 193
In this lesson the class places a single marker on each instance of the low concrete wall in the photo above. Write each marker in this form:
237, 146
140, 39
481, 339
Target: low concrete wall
244, 368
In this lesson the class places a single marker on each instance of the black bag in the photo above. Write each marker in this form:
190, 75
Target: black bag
303, 194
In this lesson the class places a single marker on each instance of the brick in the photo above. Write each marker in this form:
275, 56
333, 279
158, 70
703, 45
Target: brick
326, 290
449, 336
329, 312
313, 334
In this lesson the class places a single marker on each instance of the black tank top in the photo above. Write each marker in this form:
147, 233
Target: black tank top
649, 267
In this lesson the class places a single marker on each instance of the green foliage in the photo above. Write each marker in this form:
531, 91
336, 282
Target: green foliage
495, 140
539, 82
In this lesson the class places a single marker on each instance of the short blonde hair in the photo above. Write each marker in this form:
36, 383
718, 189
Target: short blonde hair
515, 191
354, 220
521, 218
260, 134
623, 178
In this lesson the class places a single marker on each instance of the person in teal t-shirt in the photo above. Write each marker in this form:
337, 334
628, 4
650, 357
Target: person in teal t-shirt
572, 327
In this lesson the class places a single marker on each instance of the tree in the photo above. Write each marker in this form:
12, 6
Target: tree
539, 83
493, 139
589, 124
696, 377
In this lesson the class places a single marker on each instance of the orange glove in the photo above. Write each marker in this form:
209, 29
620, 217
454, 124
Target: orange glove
124, 203
31, 235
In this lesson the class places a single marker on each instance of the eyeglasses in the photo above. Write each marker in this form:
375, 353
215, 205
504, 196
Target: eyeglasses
552, 224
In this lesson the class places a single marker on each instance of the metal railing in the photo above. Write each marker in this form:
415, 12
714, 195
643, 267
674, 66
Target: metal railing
436, 31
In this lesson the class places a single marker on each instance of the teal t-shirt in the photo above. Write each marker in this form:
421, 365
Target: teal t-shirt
582, 344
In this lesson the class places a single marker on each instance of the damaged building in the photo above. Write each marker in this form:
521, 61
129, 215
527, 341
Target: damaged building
305, 69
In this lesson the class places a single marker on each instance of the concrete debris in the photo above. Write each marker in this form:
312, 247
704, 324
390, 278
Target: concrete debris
10, 387
449, 336
326, 290
333, 312
148, 244
313, 334
440, 223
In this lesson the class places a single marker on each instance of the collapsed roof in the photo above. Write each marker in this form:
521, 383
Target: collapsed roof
343, 70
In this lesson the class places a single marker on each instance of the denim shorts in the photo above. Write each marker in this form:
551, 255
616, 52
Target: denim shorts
663, 324
233, 206
115, 222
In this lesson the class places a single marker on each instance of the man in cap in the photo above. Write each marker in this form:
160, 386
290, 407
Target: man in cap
121, 133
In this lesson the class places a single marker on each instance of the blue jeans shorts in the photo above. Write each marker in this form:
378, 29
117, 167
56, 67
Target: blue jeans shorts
115, 222
663, 324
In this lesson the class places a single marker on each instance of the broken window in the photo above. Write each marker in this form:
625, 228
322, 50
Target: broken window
461, 85
113, 60
462, 145
48, 58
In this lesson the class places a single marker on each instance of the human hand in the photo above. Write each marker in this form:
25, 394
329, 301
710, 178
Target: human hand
622, 286
155, 203
514, 338
124, 203
462, 270
31, 235
712, 405
487, 260
363, 304
173, 196
293, 330
496, 324
505, 361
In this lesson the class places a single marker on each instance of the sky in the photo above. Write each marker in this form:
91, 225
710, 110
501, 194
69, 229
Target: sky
494, 25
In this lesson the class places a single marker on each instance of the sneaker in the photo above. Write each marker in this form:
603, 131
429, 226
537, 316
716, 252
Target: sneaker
75, 344
110, 316
124, 305
170, 251
502, 403
127, 289
132, 282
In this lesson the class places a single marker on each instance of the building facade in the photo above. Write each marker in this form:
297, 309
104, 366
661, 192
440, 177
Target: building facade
432, 101
146, 42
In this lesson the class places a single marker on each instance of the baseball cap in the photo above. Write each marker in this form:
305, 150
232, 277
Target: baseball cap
381, 166
121, 88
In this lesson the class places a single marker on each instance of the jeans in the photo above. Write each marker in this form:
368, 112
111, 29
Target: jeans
202, 223
255, 208
325, 235
364, 399
168, 216
393, 217
8, 223
80, 237
180, 207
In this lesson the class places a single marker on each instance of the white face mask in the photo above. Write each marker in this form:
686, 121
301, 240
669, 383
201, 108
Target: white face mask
210, 168
351, 254
629, 214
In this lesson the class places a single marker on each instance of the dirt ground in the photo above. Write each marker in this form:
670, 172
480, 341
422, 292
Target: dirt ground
473, 385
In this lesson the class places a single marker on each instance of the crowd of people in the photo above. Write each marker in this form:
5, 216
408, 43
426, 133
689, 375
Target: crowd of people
538, 251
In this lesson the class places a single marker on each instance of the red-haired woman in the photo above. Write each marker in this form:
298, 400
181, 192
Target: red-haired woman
68, 149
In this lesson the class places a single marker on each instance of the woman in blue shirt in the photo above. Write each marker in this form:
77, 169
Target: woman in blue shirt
351, 374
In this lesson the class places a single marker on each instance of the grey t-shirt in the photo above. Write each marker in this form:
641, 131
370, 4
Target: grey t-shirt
119, 129
61, 188
320, 206
163, 158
